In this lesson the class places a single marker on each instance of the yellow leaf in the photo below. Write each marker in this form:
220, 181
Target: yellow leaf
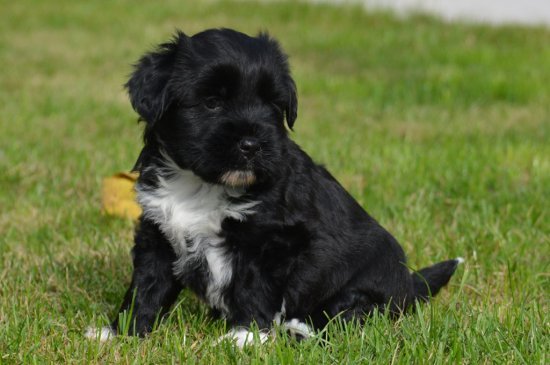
118, 195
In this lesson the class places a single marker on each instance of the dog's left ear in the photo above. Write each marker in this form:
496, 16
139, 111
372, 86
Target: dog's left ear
291, 110
147, 86
291, 107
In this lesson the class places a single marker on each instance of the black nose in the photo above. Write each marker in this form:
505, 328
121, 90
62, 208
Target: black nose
249, 146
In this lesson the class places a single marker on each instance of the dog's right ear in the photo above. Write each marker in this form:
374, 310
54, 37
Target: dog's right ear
147, 86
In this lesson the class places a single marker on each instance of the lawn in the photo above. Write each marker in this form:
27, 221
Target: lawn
442, 132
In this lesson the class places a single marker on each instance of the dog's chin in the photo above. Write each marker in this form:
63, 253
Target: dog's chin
238, 178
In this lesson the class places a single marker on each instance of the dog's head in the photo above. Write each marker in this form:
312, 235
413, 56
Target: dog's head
217, 102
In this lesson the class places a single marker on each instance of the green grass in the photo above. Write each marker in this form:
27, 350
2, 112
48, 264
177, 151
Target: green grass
440, 131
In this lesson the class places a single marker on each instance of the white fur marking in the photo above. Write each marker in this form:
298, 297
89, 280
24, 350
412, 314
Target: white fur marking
295, 327
279, 316
102, 334
190, 212
220, 269
242, 337
460, 260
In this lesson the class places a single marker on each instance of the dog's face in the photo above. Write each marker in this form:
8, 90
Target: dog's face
216, 103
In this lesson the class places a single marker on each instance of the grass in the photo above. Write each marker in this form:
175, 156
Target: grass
440, 131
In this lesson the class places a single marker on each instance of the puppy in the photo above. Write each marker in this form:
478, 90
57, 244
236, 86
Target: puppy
234, 210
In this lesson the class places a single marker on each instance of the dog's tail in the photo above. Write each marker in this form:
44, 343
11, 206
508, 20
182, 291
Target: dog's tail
428, 281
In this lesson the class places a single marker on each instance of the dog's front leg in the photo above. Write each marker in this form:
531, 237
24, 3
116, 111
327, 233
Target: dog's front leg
252, 305
153, 289
243, 336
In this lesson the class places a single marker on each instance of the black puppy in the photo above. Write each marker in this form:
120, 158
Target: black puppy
236, 211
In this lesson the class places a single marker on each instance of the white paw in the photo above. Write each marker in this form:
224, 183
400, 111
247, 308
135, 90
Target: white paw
298, 329
102, 334
460, 260
242, 337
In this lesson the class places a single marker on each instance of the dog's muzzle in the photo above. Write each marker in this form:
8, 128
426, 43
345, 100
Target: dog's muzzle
238, 178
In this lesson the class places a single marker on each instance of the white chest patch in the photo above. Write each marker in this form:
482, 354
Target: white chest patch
190, 212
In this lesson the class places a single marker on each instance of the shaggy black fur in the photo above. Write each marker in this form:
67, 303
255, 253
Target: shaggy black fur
217, 102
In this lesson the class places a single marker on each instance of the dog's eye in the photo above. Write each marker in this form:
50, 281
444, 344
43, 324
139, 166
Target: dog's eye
213, 103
